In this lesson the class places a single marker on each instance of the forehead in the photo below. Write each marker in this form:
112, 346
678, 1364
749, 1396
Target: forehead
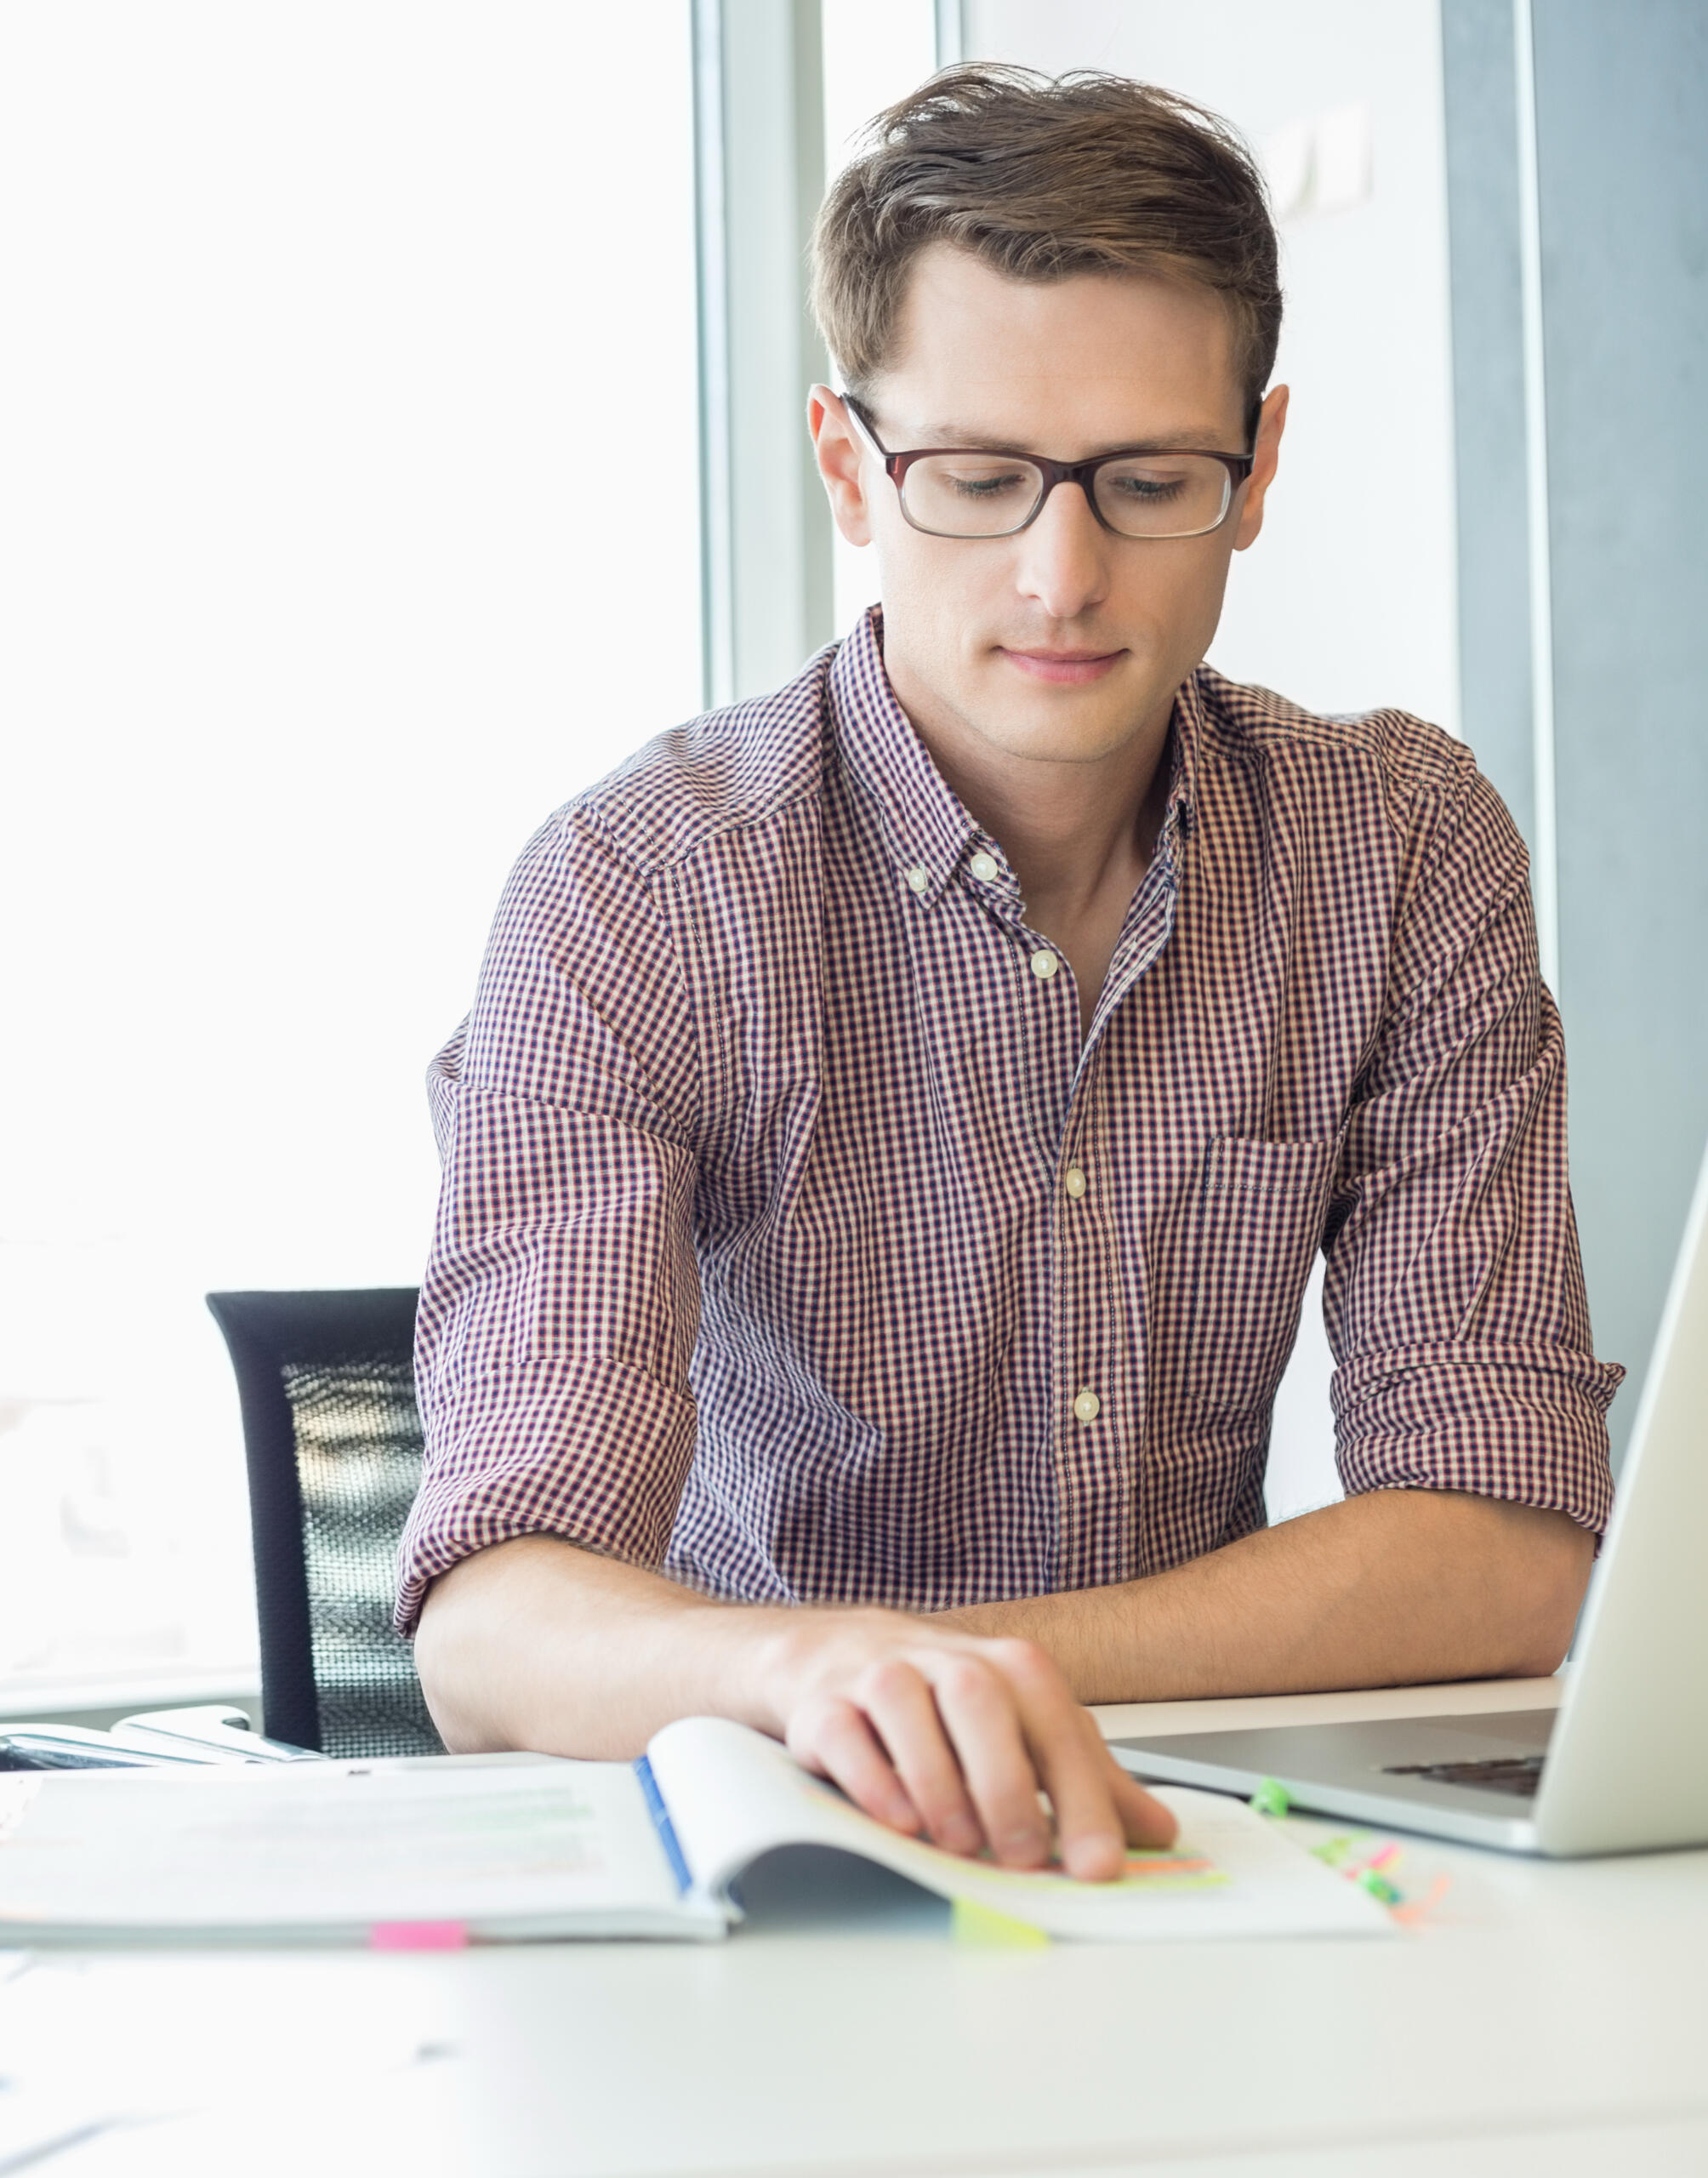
1100, 359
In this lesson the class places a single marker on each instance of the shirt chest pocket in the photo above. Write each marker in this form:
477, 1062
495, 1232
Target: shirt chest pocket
1258, 1225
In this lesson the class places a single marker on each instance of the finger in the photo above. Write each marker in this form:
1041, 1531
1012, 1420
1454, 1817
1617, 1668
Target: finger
1146, 1820
1090, 1822
903, 1711
983, 1721
1084, 1785
834, 1740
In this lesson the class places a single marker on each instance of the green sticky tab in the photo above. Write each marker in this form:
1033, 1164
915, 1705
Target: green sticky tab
1379, 1887
982, 1925
1271, 1798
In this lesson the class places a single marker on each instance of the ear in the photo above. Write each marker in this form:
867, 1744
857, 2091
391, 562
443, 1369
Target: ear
841, 463
1271, 421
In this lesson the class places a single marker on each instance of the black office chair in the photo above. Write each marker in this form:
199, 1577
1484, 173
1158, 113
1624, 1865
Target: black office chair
332, 1439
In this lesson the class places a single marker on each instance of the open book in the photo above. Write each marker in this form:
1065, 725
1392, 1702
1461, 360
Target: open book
494, 1848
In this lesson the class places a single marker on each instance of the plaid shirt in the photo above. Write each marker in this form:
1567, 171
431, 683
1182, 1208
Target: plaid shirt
794, 1241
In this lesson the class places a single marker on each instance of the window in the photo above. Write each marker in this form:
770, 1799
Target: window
330, 330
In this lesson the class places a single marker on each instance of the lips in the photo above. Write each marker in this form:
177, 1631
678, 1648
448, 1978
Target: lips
1064, 666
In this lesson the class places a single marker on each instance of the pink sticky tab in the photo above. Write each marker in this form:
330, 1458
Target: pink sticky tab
419, 1935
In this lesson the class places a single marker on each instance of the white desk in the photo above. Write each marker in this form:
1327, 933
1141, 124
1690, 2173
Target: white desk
1549, 2018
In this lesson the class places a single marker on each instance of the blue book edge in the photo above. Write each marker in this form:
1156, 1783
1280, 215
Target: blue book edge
662, 1824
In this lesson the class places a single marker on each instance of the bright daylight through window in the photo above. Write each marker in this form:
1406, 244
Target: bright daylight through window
331, 331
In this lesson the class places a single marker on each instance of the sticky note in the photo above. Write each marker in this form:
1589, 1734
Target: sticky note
982, 1925
1271, 1798
419, 1935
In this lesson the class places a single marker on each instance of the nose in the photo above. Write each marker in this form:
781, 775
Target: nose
1064, 556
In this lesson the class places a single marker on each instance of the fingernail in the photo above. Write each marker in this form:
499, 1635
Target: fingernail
1025, 1845
960, 1834
1091, 1860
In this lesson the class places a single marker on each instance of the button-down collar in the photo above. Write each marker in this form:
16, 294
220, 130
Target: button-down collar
925, 825
927, 830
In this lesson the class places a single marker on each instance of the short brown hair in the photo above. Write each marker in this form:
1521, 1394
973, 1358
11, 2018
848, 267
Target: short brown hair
1042, 178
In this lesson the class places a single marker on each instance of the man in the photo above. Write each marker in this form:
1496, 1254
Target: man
899, 1115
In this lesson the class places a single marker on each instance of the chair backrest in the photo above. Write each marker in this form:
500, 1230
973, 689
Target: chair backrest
332, 1439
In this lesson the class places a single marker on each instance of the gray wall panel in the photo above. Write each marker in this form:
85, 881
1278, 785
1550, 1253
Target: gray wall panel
1621, 95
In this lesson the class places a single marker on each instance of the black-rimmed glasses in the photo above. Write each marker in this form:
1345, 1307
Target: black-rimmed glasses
1154, 492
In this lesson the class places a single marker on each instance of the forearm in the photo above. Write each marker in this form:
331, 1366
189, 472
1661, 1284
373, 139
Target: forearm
536, 1643
1394, 1587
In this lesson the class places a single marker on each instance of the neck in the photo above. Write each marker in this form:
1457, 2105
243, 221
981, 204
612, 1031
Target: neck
1075, 832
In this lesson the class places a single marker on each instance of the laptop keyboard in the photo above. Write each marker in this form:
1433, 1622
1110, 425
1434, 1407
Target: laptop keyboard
1517, 1773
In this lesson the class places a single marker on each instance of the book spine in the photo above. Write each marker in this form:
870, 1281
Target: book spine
662, 1824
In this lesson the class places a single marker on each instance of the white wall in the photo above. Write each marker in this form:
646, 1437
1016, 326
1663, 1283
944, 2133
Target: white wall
1348, 598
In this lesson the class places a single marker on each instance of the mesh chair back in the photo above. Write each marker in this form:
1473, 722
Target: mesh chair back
333, 1444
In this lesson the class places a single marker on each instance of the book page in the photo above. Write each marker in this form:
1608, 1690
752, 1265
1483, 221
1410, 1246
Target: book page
734, 1795
341, 1844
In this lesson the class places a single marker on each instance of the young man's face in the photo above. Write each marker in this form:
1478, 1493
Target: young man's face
1061, 642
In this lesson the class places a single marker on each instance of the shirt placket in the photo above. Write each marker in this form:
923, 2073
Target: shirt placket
1096, 1392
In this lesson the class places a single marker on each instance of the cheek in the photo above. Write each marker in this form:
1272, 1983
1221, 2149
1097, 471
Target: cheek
1174, 590
940, 594
1203, 600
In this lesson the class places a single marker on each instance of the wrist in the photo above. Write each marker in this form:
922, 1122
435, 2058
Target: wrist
780, 1654
751, 1656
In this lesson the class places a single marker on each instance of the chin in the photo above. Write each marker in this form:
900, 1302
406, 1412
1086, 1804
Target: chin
1062, 733
1098, 716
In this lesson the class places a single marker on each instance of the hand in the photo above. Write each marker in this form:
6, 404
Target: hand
954, 1736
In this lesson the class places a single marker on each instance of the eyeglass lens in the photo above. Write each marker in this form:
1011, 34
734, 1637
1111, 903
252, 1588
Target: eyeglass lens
992, 495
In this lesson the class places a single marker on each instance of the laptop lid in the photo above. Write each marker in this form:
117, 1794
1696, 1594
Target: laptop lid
1627, 1763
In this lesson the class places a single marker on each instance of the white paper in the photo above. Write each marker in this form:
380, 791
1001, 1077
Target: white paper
734, 1794
331, 1845
327, 1850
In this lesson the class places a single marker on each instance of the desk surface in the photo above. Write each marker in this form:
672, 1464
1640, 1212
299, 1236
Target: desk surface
1547, 2018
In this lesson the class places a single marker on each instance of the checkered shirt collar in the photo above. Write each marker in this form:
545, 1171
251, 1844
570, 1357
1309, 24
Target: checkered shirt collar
925, 826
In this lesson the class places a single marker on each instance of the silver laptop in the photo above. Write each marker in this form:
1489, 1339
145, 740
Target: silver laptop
1622, 1764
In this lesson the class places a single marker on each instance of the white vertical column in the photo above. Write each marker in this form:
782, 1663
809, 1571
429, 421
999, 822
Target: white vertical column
764, 527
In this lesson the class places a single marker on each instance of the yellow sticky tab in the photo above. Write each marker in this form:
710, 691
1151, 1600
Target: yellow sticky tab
984, 1924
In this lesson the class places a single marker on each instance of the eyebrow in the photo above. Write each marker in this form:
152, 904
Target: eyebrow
972, 441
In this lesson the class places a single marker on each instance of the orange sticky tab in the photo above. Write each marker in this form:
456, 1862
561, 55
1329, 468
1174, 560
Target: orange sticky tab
419, 1935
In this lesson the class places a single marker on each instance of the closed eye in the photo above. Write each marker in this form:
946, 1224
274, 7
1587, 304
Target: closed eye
987, 484
1149, 491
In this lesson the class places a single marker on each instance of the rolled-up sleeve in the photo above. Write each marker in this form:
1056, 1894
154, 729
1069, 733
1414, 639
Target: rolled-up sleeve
1455, 1295
560, 1304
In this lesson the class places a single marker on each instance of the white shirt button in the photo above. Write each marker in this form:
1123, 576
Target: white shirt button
920, 878
1088, 1406
1074, 1181
983, 866
1044, 964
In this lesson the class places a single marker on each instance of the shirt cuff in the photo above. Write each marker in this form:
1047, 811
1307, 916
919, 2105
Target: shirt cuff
1525, 1423
597, 1454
